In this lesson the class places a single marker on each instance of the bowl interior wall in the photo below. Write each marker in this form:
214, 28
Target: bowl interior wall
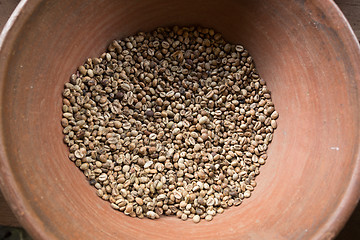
310, 160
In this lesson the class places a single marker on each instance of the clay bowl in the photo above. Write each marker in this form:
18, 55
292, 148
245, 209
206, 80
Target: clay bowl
306, 52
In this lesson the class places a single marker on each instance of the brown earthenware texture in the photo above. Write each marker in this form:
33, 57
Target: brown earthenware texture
303, 49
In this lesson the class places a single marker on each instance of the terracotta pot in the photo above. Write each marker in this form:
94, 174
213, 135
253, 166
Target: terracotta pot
306, 52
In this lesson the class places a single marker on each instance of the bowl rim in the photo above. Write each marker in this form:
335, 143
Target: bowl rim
32, 223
